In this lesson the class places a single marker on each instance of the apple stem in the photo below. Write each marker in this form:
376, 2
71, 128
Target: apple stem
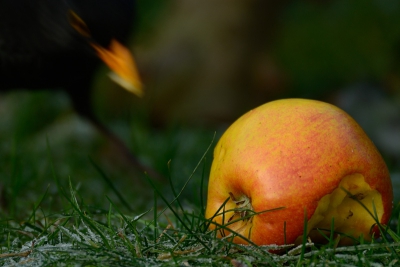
243, 207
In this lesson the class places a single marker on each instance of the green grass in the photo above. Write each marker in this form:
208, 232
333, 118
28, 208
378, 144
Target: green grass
69, 207
168, 234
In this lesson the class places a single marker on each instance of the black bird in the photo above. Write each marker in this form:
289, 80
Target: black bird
50, 44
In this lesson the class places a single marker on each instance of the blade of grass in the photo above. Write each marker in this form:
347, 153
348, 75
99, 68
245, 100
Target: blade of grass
187, 181
331, 236
304, 241
202, 206
176, 214
110, 185
53, 171
381, 228
35, 207
109, 216
254, 246
173, 190
139, 250
209, 221
86, 219
194, 170
155, 217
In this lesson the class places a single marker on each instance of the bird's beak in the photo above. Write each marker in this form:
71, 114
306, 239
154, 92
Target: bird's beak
117, 57
120, 60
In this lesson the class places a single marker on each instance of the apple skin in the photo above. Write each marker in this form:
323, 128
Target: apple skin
290, 153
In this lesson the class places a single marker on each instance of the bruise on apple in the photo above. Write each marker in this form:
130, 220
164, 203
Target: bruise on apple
344, 205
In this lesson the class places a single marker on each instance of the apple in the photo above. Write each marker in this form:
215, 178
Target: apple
296, 160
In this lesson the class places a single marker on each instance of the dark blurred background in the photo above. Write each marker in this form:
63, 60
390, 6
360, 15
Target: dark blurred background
208, 62
204, 63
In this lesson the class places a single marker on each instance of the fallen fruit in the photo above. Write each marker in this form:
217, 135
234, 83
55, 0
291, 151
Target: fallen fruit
305, 157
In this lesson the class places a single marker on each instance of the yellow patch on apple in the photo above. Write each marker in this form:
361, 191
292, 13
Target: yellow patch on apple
292, 157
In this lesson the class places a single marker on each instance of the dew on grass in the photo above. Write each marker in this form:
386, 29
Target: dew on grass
73, 236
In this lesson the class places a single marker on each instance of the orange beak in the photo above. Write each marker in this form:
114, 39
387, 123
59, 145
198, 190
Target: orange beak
124, 71
118, 58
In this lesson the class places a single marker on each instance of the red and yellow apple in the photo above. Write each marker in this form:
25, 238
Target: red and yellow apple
292, 158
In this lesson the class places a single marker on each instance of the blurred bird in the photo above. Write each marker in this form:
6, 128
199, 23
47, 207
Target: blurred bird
51, 44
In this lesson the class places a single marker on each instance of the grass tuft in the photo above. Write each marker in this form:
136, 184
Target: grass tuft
171, 231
